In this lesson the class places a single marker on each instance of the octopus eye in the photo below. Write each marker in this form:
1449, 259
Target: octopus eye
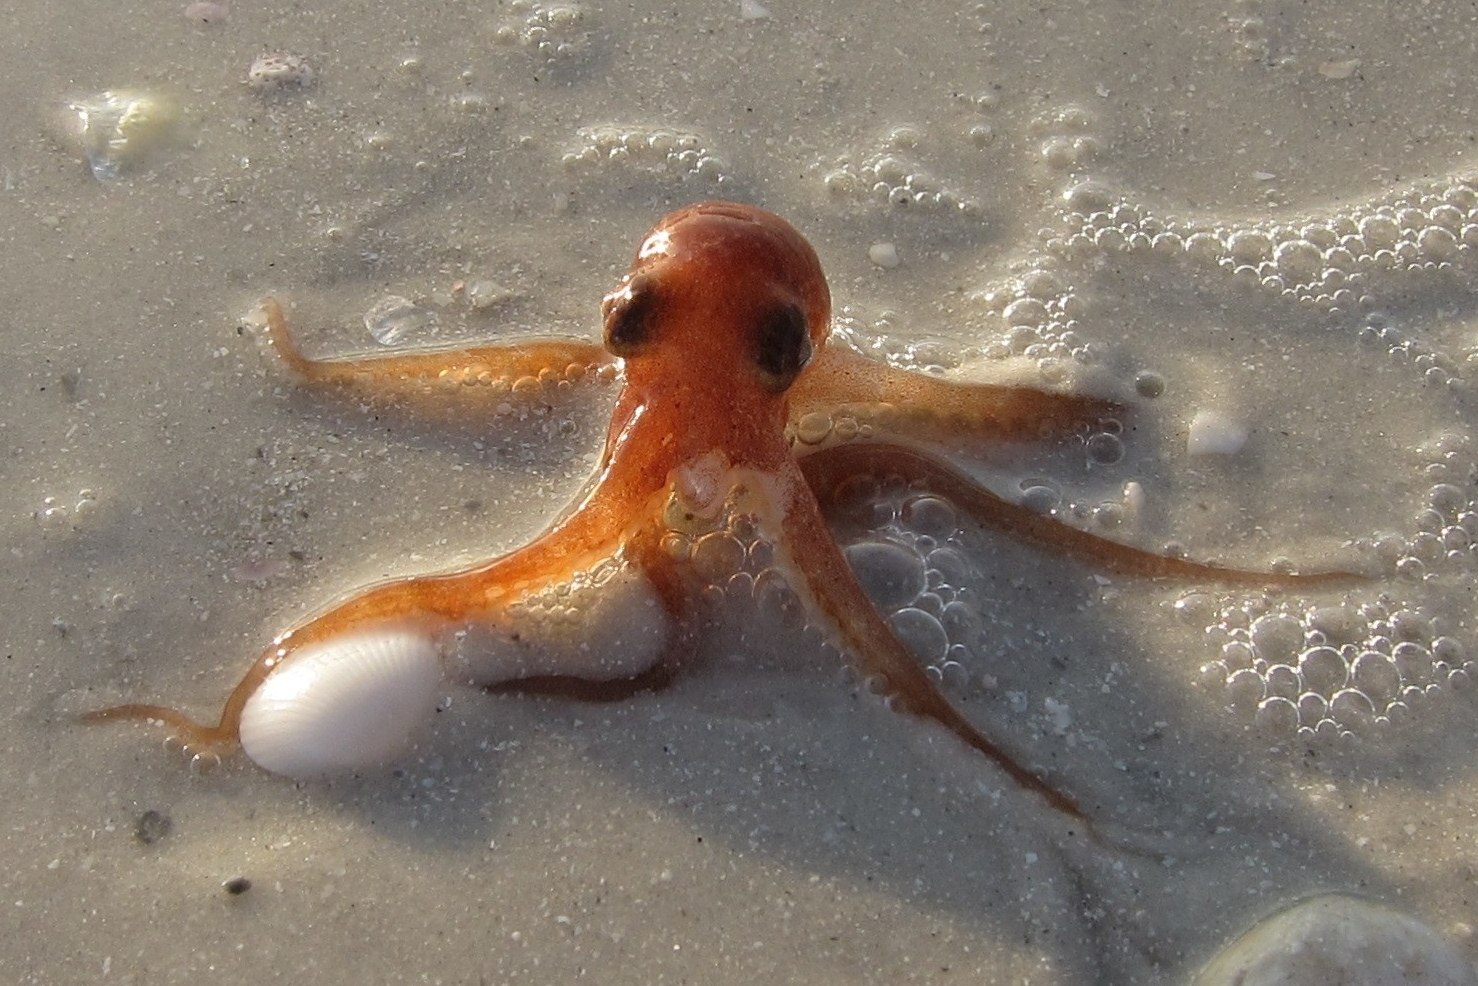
630, 314
782, 347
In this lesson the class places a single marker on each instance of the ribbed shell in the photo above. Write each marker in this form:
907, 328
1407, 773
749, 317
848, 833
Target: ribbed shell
347, 703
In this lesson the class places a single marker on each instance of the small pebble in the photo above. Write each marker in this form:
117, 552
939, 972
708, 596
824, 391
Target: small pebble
885, 255
1339, 69
1214, 433
151, 827
236, 886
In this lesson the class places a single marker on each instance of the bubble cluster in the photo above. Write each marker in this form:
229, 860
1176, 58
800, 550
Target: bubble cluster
1066, 141
657, 150
918, 573
556, 32
1437, 368
1332, 262
1444, 535
721, 544
1040, 313
980, 131
57, 513
1329, 671
891, 175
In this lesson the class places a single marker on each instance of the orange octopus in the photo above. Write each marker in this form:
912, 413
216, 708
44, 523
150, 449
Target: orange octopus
718, 334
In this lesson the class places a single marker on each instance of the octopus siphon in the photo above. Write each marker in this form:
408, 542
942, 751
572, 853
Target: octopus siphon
718, 338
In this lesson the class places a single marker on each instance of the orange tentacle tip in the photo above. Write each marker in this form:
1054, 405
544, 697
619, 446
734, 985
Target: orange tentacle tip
723, 315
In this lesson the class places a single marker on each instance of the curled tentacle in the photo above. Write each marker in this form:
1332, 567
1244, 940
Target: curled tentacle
829, 470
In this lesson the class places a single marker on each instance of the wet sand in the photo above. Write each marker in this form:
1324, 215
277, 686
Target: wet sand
1157, 197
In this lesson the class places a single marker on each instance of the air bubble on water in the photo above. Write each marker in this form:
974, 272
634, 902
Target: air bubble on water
1104, 449
1283, 680
921, 633
1249, 246
929, 515
1410, 625
1236, 654
1149, 384
1447, 499
1277, 636
1277, 716
1352, 710
955, 568
1028, 312
892, 575
1040, 497
393, 318
1449, 650
961, 623
1245, 689
1410, 569
1339, 624
1322, 670
1413, 663
1312, 707
1375, 675
717, 556
1197, 608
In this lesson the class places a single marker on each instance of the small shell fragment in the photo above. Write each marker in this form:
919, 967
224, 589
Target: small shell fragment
1339, 69
118, 127
1215, 433
206, 13
393, 318
279, 70
884, 255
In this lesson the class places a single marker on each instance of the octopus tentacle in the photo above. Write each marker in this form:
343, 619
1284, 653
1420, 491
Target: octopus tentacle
905, 402
432, 607
428, 606
829, 470
517, 366
817, 569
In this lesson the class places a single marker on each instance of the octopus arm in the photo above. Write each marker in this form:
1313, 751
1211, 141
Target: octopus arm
481, 623
809, 558
518, 367
829, 471
905, 402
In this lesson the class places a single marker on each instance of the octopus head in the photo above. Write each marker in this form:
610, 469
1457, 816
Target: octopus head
722, 290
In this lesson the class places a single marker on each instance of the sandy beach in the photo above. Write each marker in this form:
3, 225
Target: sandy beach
1256, 223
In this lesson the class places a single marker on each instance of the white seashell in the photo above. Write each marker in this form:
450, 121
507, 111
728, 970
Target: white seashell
1337, 939
1214, 433
346, 703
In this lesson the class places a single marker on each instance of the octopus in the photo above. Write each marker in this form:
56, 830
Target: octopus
718, 336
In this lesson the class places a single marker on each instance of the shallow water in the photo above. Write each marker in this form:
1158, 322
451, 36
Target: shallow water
1045, 172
